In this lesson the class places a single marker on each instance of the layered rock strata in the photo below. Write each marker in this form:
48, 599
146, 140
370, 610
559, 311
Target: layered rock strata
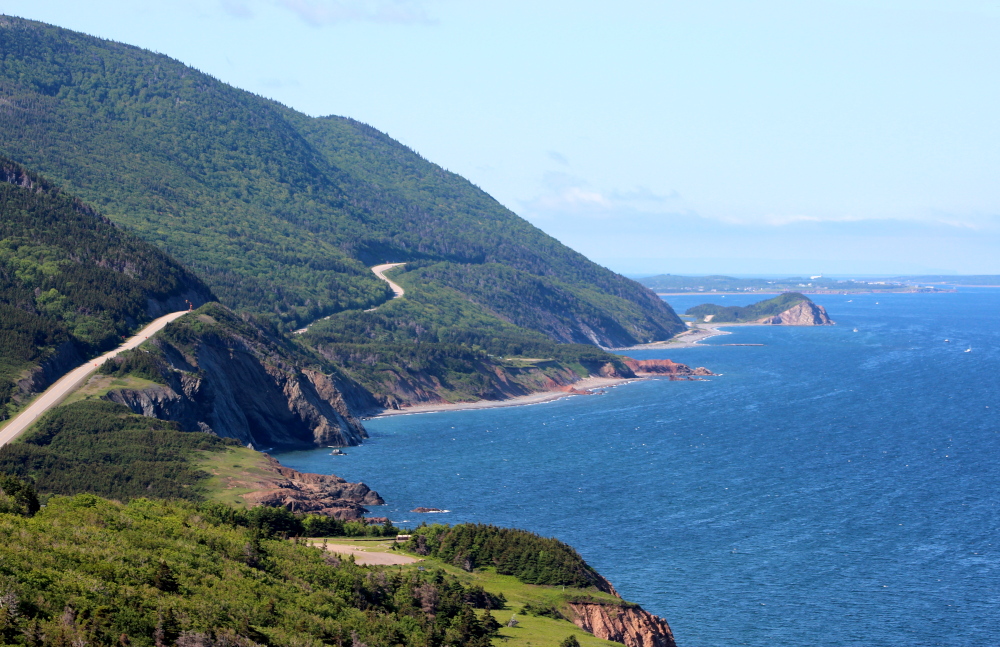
645, 367
220, 376
626, 624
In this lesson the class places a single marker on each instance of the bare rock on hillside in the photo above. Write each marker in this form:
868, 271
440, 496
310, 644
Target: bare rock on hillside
626, 624
296, 491
647, 367
804, 313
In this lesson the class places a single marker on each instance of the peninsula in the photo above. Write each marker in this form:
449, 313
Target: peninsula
789, 309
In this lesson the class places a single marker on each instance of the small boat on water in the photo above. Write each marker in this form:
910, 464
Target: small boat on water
855, 330
338, 452
969, 349
947, 340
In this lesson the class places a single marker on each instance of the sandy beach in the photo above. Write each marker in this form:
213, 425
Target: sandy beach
587, 384
688, 339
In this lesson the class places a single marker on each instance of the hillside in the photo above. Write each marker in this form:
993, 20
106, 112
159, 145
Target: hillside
87, 571
72, 284
281, 213
237, 377
775, 311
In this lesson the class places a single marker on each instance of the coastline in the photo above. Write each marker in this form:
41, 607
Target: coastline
690, 338
586, 386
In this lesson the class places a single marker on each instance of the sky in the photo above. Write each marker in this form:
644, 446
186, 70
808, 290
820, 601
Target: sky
739, 137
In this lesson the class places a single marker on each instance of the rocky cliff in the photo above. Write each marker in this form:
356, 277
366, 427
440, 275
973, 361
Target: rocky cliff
219, 373
626, 624
805, 313
645, 367
276, 486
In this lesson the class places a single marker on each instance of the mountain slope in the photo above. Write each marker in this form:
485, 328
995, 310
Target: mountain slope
277, 211
71, 283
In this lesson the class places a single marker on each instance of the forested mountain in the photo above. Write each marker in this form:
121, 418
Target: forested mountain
279, 212
71, 283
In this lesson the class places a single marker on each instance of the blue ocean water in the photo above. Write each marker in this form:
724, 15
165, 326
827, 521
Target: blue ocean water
829, 488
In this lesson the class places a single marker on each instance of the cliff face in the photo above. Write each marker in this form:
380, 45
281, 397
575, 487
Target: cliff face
407, 388
664, 367
631, 626
220, 375
805, 313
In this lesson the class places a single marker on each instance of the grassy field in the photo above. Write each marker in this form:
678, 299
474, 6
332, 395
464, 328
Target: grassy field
531, 631
99, 385
234, 473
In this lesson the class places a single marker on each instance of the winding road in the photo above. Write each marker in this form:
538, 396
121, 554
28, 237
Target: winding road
72, 380
379, 270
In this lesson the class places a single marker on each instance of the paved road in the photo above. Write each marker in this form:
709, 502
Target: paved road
380, 271
72, 380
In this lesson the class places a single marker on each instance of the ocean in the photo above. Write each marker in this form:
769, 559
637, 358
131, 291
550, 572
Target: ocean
830, 487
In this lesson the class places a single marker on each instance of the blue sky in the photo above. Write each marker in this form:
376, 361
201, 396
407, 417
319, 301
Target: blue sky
828, 136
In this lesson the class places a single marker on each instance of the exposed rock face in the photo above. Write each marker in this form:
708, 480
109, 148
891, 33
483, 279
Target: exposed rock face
403, 389
300, 492
629, 625
805, 313
38, 378
664, 367
224, 381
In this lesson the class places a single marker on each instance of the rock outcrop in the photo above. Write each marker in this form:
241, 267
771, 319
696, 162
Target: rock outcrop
645, 367
38, 378
221, 375
805, 313
274, 485
626, 624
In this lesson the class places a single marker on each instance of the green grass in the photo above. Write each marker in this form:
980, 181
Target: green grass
534, 631
100, 385
233, 473
531, 630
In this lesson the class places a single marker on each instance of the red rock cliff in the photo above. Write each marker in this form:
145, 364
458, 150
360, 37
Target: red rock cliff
663, 367
629, 625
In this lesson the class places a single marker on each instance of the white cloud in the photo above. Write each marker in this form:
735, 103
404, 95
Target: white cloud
324, 12
566, 194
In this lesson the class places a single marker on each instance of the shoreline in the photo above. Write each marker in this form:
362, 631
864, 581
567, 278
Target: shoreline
586, 386
690, 338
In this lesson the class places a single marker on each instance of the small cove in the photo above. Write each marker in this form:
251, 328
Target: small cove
830, 487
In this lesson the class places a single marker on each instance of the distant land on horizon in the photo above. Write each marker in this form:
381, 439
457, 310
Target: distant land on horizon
814, 284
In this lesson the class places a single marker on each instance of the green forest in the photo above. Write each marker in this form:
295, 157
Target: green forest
70, 280
278, 212
528, 557
88, 571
